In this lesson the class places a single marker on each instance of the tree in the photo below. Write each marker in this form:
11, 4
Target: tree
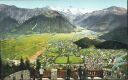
38, 64
14, 68
27, 64
22, 65
120, 64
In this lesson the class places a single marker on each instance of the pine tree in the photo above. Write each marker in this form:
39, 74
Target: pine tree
27, 64
14, 67
38, 64
22, 65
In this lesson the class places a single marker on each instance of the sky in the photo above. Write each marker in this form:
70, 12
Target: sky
88, 5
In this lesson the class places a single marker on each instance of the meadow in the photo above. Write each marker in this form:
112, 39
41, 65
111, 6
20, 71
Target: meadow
27, 45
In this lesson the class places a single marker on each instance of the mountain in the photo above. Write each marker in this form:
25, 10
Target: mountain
69, 10
7, 24
119, 34
69, 15
20, 14
108, 44
38, 20
110, 22
112, 45
50, 21
43, 19
103, 20
23, 14
86, 42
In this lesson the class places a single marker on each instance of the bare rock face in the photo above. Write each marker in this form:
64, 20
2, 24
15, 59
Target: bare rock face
20, 14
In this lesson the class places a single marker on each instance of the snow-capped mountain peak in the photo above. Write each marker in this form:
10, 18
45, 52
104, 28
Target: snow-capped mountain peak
69, 10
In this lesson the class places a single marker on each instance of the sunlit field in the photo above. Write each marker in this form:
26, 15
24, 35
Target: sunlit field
27, 45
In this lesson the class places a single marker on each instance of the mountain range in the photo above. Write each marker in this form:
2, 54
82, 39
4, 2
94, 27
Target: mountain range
111, 22
38, 20
103, 20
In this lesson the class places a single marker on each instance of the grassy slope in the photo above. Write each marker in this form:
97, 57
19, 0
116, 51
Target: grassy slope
26, 46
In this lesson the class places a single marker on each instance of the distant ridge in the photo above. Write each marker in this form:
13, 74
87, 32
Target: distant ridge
103, 20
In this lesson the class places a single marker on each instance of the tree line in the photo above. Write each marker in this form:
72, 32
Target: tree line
9, 68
